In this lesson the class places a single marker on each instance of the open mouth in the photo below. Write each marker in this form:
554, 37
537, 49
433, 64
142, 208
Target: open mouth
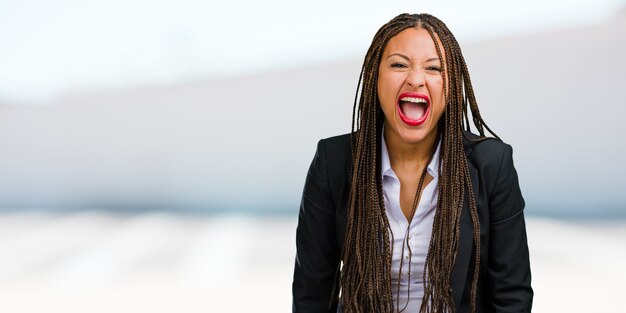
413, 108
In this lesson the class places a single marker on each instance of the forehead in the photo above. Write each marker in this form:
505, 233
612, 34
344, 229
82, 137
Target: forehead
412, 42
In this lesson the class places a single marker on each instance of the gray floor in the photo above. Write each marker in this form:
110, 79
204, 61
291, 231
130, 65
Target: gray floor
98, 262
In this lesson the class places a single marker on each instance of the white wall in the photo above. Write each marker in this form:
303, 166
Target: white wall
246, 142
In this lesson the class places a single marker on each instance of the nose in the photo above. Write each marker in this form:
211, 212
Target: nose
415, 78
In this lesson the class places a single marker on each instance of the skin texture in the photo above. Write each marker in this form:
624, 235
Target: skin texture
410, 64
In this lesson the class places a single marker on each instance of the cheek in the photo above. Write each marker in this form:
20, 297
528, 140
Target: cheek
436, 87
436, 90
386, 90
389, 83
383, 82
437, 83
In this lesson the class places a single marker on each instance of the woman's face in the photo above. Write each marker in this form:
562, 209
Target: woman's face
410, 86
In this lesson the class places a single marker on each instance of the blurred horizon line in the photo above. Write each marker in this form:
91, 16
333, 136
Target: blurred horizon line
617, 213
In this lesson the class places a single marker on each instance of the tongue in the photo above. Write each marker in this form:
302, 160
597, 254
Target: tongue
414, 111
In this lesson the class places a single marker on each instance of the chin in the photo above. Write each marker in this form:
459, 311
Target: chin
413, 136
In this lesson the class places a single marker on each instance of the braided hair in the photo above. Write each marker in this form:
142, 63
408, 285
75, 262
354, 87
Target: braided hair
365, 275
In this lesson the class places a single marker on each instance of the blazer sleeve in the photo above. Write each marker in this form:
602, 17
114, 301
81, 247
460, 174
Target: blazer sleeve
317, 251
508, 264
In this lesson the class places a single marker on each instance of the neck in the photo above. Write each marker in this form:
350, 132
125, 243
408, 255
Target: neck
403, 154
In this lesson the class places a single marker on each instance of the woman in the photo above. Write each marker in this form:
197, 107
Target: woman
411, 212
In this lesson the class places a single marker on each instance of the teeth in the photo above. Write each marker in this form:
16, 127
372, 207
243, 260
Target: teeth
414, 100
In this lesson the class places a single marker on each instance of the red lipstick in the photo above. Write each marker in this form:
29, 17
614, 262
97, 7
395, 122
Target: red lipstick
417, 104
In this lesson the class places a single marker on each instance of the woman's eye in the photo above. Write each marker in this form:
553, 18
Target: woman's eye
398, 65
434, 68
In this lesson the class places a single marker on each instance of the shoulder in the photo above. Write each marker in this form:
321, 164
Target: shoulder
336, 149
332, 165
493, 161
337, 143
485, 152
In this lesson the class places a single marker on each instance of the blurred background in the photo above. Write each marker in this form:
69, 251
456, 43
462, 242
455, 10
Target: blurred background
153, 153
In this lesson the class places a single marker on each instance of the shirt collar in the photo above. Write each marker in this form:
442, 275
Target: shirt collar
385, 164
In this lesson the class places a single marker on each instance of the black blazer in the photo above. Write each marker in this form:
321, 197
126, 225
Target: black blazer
504, 279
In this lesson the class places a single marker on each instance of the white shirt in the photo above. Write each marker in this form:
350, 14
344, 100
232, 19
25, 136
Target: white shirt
418, 235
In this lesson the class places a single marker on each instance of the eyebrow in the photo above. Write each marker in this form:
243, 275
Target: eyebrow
407, 58
398, 54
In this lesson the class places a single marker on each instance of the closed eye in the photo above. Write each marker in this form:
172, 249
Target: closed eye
434, 68
398, 65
